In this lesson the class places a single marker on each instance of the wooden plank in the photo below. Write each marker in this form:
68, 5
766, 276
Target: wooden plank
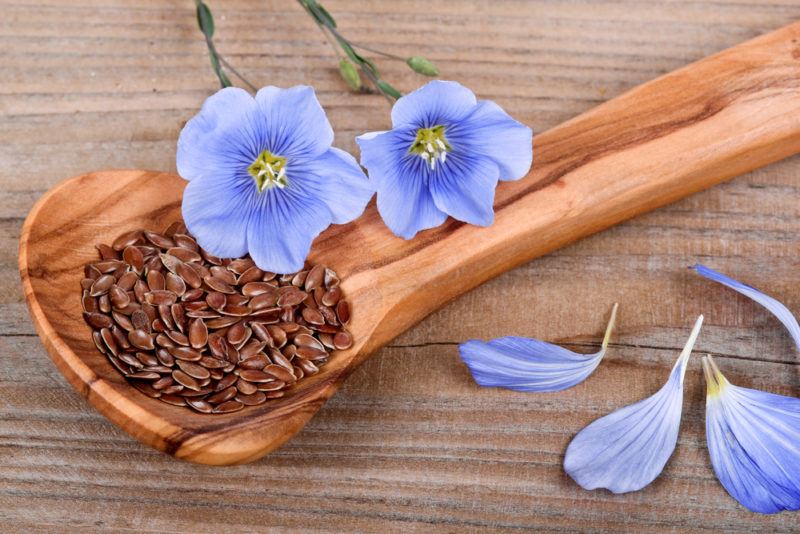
390, 453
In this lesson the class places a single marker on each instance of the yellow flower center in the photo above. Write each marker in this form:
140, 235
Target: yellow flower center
268, 171
431, 145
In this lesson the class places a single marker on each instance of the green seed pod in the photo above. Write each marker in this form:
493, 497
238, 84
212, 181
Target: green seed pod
350, 74
422, 66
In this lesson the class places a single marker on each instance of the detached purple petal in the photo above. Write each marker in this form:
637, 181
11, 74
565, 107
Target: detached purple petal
754, 443
443, 157
525, 364
264, 178
775, 307
627, 449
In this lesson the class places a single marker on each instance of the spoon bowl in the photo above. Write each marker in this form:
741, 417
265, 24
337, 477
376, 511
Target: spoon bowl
681, 133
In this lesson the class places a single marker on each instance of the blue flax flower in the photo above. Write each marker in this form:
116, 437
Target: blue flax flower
525, 364
776, 308
443, 156
263, 177
754, 442
627, 449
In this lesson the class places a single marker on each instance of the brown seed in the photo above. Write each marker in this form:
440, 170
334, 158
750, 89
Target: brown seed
241, 265
263, 300
185, 241
331, 279
185, 353
278, 335
315, 277
133, 257
226, 382
245, 387
252, 348
104, 303
308, 367
139, 290
271, 386
184, 254
254, 399
311, 353
217, 284
102, 285
131, 360
305, 340
163, 382
279, 372
159, 240
343, 340
147, 389
174, 388
119, 298
158, 297
192, 294
175, 228
274, 394
109, 341
252, 375
202, 392
278, 358
198, 333
216, 300
331, 297
173, 399
194, 370
156, 281
178, 337
253, 274
175, 284
222, 396
291, 298
185, 380
222, 322
236, 333
343, 311
229, 407
200, 405
127, 280
223, 274
141, 339
255, 363
147, 359
98, 342
145, 375
165, 357
98, 320
212, 363
313, 316
127, 239
178, 316
253, 289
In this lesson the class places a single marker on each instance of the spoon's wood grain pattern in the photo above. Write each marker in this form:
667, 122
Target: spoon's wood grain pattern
681, 133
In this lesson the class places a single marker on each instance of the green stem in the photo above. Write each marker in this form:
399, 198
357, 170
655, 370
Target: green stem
375, 51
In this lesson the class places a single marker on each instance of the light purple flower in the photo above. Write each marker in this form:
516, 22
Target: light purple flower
263, 177
525, 364
627, 449
443, 156
754, 443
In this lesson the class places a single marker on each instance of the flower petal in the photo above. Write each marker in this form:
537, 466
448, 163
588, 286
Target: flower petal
282, 225
211, 203
404, 199
437, 102
775, 307
220, 136
525, 364
490, 132
627, 449
754, 443
335, 177
295, 121
464, 188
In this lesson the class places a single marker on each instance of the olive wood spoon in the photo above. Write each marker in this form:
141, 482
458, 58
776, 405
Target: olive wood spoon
669, 138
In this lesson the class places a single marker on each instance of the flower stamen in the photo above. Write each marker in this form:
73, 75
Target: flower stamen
268, 171
431, 145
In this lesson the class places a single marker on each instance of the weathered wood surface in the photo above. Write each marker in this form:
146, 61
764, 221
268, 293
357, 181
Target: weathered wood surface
409, 441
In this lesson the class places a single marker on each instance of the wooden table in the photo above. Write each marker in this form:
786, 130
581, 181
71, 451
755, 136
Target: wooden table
410, 443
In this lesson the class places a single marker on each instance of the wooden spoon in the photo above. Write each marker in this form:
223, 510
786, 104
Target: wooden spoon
686, 131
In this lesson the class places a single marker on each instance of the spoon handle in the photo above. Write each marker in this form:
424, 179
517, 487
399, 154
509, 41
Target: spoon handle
676, 135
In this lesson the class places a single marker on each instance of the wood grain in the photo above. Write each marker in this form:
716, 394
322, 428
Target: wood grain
399, 448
